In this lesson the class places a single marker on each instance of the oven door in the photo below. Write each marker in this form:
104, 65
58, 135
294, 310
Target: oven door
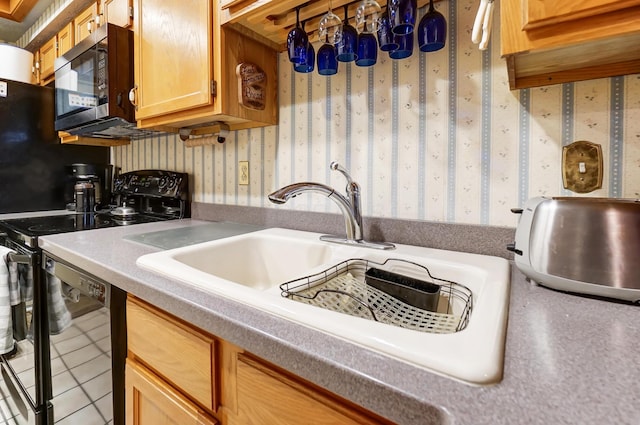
24, 393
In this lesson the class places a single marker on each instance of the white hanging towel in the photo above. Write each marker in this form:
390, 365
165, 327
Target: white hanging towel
6, 328
59, 315
482, 24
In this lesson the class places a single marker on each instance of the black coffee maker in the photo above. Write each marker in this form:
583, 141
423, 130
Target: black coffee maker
95, 181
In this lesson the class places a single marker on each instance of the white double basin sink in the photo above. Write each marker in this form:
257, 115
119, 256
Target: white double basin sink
250, 268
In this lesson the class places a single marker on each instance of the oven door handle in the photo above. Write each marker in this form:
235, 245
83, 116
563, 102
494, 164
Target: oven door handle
20, 258
15, 257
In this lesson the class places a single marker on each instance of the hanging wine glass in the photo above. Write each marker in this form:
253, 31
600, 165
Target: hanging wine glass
327, 60
308, 58
348, 45
432, 30
330, 27
297, 41
403, 15
367, 16
385, 35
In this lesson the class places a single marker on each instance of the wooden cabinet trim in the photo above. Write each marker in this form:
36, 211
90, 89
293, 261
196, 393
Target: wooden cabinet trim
142, 387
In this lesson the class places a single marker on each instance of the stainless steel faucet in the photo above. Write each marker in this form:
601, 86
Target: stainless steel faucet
349, 206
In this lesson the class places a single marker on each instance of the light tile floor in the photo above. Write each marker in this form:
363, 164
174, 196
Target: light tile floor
81, 369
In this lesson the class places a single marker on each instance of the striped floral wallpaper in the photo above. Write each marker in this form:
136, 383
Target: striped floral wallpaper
436, 137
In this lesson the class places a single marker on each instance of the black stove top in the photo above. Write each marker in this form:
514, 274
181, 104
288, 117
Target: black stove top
49, 225
27, 230
153, 195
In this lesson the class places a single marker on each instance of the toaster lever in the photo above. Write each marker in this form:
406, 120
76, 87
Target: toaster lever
517, 210
512, 247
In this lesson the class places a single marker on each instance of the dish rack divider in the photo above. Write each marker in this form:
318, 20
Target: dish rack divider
342, 288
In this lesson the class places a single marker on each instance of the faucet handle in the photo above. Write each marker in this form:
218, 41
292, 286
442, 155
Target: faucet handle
337, 167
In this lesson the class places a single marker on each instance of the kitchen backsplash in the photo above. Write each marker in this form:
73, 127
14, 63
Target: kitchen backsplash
436, 137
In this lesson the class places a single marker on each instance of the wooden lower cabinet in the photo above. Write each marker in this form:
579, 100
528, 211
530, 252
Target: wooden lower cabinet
267, 396
177, 374
151, 401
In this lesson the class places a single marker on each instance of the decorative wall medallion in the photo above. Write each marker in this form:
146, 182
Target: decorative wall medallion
252, 85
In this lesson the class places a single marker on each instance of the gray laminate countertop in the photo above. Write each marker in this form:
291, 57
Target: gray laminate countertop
568, 359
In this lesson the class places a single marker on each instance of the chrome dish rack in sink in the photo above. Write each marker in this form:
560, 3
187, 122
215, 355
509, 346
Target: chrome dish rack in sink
351, 288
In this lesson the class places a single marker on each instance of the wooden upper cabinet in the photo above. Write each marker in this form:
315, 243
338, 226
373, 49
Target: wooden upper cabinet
48, 54
52, 49
117, 12
549, 42
186, 69
173, 63
85, 23
539, 13
65, 39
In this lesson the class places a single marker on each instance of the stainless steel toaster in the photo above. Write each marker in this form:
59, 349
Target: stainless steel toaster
582, 245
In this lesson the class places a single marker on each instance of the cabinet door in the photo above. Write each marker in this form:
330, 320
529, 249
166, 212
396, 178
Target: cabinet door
267, 396
150, 401
180, 354
541, 13
173, 56
48, 54
65, 39
85, 22
118, 12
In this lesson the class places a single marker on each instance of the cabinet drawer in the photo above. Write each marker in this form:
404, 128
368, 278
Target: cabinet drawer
180, 354
278, 398
150, 401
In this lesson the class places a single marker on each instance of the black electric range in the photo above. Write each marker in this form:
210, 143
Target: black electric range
138, 197
148, 195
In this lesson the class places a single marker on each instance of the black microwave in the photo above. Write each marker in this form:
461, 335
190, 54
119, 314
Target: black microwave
92, 84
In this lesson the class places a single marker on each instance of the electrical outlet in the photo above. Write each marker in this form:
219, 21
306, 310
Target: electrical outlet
3, 89
243, 172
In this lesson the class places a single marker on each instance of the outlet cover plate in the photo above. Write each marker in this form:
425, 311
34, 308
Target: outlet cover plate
243, 173
582, 166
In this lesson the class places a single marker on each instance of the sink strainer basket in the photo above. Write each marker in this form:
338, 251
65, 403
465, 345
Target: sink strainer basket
348, 288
